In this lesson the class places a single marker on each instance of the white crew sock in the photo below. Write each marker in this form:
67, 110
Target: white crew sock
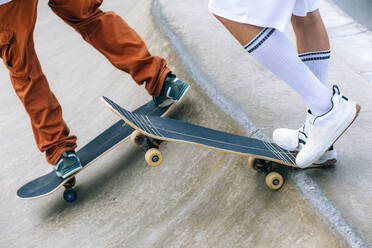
318, 63
273, 50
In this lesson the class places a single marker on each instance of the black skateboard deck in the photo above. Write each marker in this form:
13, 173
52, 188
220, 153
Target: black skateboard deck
261, 154
103, 143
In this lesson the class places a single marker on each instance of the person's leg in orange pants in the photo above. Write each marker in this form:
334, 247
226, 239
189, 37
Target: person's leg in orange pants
111, 35
107, 32
17, 21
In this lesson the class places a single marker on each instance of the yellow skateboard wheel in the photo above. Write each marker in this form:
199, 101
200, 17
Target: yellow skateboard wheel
274, 180
154, 157
137, 138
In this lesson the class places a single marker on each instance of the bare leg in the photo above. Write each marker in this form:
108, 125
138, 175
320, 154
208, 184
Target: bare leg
311, 34
244, 33
313, 44
272, 49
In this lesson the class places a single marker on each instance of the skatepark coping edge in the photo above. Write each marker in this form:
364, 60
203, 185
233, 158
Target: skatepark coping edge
308, 187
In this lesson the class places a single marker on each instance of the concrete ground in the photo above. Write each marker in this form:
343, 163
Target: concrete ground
198, 197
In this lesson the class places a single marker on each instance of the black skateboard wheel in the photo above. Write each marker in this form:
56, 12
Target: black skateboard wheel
69, 195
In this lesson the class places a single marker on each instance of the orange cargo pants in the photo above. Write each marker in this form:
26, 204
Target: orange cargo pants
106, 31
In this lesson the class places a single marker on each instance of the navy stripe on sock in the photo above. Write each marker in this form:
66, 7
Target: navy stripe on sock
318, 55
315, 58
263, 39
257, 37
314, 53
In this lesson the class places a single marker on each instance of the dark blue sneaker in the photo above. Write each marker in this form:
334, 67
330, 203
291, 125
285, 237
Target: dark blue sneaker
67, 165
173, 90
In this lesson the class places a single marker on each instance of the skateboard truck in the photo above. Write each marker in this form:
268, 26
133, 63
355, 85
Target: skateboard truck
153, 156
273, 179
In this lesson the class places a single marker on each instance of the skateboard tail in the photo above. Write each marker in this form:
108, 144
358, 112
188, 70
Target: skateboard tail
122, 113
34, 189
105, 142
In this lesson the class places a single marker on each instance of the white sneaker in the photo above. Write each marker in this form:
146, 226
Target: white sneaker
324, 130
293, 141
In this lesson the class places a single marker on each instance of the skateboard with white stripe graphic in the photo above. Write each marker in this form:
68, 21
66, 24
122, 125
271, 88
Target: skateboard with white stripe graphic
261, 155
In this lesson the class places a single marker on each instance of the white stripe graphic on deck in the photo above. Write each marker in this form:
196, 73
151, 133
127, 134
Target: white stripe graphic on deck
288, 157
153, 126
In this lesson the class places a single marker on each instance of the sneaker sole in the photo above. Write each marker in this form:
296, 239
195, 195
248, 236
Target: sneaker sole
72, 172
168, 102
358, 108
327, 163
